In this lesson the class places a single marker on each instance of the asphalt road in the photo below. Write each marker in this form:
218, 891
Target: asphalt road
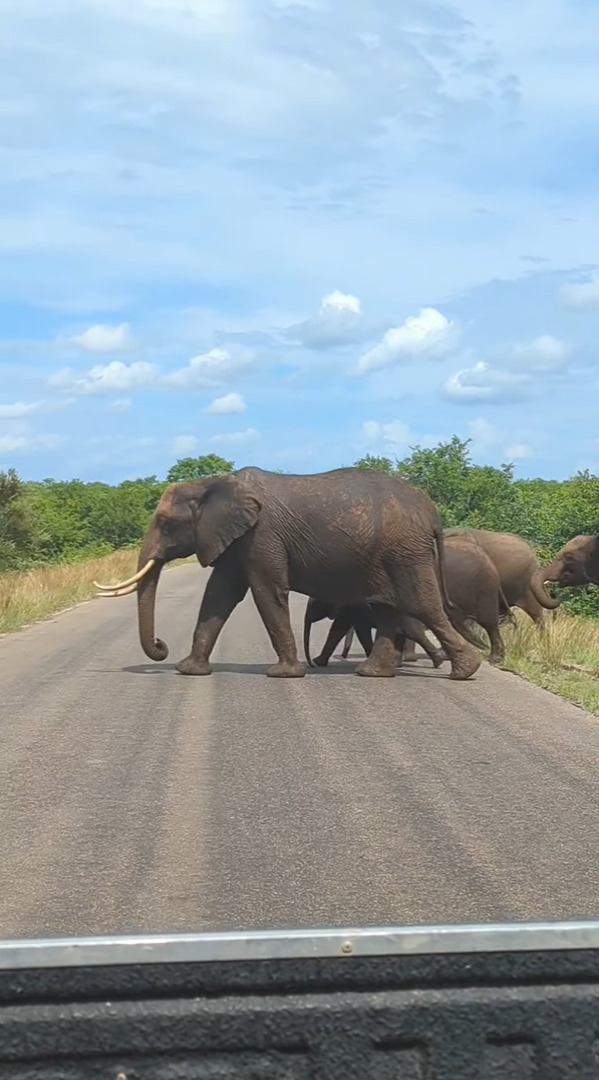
136, 799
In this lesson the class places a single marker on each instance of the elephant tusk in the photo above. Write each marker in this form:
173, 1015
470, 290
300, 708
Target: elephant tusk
130, 581
107, 593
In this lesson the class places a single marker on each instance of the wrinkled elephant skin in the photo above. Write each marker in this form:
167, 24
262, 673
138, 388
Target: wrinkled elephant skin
347, 536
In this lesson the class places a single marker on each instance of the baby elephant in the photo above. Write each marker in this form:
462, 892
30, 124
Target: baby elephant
474, 589
359, 617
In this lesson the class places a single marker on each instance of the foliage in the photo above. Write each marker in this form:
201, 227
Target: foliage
370, 461
190, 468
53, 521
19, 529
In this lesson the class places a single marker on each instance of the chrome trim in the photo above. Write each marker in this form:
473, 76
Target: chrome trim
296, 944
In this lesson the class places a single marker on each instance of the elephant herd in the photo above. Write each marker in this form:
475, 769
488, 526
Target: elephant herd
367, 549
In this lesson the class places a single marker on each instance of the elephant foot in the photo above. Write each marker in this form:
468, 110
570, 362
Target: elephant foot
192, 666
320, 661
286, 669
374, 669
497, 659
438, 658
464, 665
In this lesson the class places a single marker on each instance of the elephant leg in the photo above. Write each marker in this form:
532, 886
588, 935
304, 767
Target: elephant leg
419, 636
221, 596
400, 644
382, 661
363, 630
341, 625
408, 654
419, 595
497, 656
349, 637
272, 601
489, 621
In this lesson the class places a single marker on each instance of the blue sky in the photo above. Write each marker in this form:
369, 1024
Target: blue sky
296, 232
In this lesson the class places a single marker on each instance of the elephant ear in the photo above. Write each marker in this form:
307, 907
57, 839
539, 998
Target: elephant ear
227, 511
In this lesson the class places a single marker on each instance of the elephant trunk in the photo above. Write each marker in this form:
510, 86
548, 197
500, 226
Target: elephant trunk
308, 620
537, 585
146, 604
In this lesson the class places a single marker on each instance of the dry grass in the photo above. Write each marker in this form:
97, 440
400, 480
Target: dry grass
28, 595
562, 657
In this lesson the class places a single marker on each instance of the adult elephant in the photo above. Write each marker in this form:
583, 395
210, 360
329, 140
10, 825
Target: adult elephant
575, 565
474, 590
350, 535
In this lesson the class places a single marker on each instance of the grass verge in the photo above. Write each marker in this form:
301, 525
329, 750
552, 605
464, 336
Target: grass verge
28, 595
562, 657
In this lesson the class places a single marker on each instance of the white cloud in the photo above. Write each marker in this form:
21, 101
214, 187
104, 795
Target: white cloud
30, 443
19, 409
15, 442
518, 452
209, 369
296, 176
428, 334
237, 436
395, 433
485, 383
338, 322
106, 378
102, 338
226, 405
121, 405
184, 444
545, 353
483, 434
582, 296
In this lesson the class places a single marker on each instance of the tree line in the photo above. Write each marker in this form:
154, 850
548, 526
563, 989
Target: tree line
52, 521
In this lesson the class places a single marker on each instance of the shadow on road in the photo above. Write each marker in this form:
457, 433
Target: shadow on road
342, 667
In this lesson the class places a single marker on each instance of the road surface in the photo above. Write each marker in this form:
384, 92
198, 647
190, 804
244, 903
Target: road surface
135, 799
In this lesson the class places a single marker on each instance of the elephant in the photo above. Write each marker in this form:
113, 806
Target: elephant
348, 618
575, 565
517, 566
349, 535
474, 589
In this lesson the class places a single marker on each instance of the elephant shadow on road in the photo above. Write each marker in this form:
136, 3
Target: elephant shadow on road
342, 667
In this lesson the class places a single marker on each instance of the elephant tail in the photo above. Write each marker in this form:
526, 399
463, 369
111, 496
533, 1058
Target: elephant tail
439, 540
308, 620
